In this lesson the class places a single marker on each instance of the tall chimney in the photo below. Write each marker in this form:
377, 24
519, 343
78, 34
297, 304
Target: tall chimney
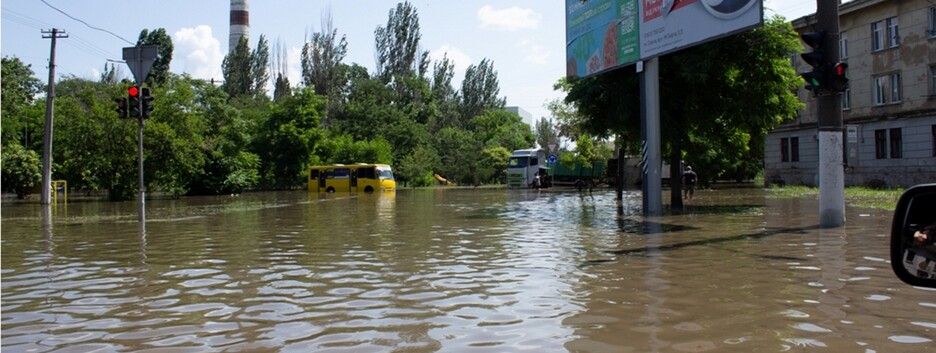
240, 23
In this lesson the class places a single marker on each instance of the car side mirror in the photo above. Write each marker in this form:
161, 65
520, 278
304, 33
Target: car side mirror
913, 256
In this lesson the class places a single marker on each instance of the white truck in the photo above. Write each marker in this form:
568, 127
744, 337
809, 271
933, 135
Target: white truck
525, 167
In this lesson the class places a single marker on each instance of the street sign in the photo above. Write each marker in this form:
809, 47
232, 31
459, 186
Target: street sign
140, 60
552, 159
552, 147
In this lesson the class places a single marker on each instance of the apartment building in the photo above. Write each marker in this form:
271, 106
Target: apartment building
889, 108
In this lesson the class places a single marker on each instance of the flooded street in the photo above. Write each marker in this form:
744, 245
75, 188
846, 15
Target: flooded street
455, 270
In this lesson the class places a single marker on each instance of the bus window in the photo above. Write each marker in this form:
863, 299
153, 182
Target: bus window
314, 174
534, 161
339, 173
367, 173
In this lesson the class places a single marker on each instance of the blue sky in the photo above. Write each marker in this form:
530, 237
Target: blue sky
524, 38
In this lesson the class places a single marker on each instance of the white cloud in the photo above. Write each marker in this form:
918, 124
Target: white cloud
198, 53
458, 57
509, 19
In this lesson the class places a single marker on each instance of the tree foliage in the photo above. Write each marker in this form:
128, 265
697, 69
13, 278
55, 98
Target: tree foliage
159, 73
246, 72
397, 44
724, 96
480, 90
322, 57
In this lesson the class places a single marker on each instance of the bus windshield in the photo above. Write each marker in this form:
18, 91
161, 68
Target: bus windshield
518, 162
385, 174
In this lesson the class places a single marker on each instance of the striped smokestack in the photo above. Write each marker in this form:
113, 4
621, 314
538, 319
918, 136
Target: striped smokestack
240, 23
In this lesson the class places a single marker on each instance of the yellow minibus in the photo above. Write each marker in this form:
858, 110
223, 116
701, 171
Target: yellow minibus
351, 178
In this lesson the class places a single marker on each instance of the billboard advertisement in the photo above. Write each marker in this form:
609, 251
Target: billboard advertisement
605, 34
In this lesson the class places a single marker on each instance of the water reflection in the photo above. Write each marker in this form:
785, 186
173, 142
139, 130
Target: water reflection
453, 270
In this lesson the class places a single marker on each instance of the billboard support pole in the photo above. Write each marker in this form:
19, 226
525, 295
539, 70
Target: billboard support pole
652, 183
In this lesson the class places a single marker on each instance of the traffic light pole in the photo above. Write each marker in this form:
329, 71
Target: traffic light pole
831, 164
141, 198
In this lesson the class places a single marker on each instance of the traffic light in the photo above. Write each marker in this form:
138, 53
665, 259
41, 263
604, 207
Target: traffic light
817, 78
134, 101
147, 103
121, 107
839, 82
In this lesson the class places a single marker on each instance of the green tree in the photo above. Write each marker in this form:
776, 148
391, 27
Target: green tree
480, 89
21, 170
288, 140
502, 128
397, 44
727, 94
322, 67
416, 169
159, 73
444, 96
546, 133
17, 93
245, 72
95, 151
280, 64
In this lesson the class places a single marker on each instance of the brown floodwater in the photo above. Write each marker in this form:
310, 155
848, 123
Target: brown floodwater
454, 270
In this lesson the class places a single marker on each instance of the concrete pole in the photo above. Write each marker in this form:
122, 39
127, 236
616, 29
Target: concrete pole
831, 164
46, 187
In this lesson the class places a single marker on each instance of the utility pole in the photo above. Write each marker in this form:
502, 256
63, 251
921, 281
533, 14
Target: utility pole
831, 164
46, 186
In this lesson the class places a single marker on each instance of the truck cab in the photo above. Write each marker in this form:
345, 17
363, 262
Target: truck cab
525, 167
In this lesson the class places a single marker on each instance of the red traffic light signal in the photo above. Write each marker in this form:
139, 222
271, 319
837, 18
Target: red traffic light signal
133, 101
838, 80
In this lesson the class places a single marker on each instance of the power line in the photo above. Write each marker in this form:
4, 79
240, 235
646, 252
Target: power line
86, 24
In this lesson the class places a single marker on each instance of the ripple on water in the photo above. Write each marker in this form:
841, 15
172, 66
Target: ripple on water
810, 327
909, 339
694, 346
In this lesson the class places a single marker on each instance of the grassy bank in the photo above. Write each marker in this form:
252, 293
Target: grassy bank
856, 196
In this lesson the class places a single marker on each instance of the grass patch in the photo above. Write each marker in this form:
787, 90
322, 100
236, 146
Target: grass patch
857, 196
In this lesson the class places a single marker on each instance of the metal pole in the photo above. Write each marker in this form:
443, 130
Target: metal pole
141, 197
46, 187
831, 165
652, 184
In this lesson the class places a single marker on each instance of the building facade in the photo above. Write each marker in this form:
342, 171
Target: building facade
888, 109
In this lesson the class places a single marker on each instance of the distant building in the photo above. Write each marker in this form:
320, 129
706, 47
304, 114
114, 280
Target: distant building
889, 108
525, 115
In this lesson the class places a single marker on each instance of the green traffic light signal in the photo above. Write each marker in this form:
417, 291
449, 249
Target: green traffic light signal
147, 103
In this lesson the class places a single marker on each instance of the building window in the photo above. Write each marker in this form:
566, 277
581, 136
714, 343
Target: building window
893, 36
896, 151
877, 36
895, 88
933, 138
794, 149
785, 149
886, 89
931, 25
879, 91
932, 80
789, 149
843, 46
880, 144
846, 98
888, 143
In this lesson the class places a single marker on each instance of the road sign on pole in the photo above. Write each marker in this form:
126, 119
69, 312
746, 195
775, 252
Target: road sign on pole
140, 60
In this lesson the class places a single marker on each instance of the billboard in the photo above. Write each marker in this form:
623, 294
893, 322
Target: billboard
605, 34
